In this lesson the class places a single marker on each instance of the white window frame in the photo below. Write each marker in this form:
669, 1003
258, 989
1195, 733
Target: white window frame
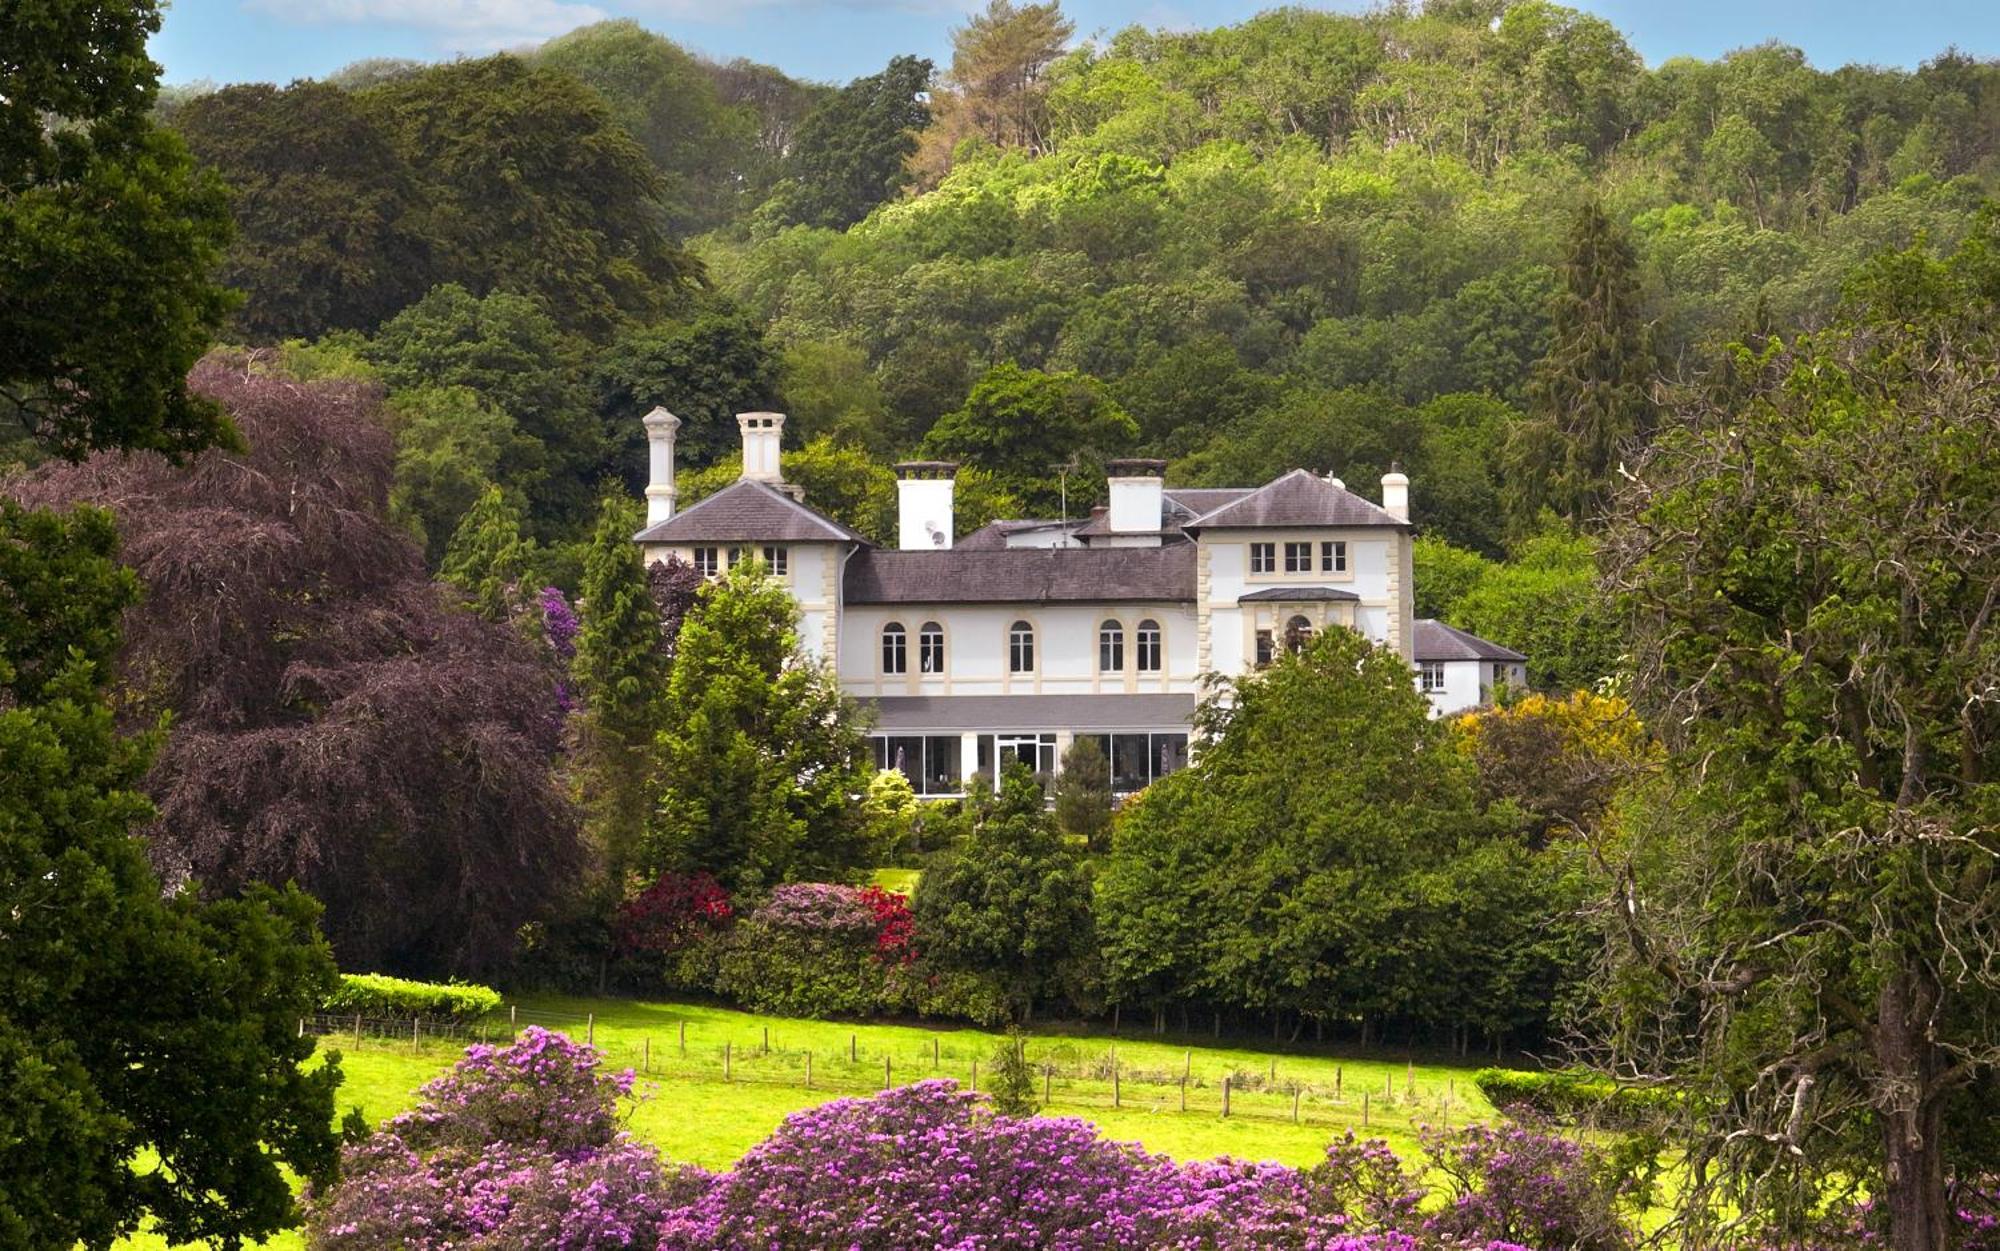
895, 652
777, 561
930, 648
1263, 557
1111, 646
1333, 556
1149, 644
1021, 646
1298, 556
1264, 650
1431, 678
707, 561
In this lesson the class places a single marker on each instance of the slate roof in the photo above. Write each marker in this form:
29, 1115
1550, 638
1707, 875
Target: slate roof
1022, 575
919, 713
749, 512
1198, 500
1299, 594
992, 536
1437, 641
1297, 499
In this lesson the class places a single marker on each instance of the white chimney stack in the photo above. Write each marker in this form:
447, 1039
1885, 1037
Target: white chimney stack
1396, 493
660, 426
762, 433
924, 504
1136, 490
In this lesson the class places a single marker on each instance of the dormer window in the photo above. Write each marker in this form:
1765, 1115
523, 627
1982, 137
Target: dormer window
1263, 558
895, 649
1111, 647
1333, 557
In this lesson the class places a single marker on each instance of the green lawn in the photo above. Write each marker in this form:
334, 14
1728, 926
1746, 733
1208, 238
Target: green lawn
692, 1114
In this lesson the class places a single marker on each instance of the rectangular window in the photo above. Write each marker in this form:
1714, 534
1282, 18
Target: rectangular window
929, 761
1298, 558
735, 557
1499, 673
895, 649
1433, 675
1266, 650
1021, 649
1148, 642
1139, 760
1037, 751
777, 561
1333, 557
705, 563
1263, 558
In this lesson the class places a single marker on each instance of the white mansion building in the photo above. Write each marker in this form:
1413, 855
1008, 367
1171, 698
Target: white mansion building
1011, 642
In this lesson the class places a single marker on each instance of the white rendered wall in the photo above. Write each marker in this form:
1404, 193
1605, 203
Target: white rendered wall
1227, 577
812, 576
976, 650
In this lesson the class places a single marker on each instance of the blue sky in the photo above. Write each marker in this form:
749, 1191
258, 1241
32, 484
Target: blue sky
278, 40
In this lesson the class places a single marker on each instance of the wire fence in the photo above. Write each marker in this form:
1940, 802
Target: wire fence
1069, 1076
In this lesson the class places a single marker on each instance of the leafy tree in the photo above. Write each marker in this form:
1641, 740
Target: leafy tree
667, 100
1560, 761
996, 88
338, 721
487, 557
852, 150
763, 762
705, 369
514, 360
101, 965
1011, 901
328, 214
1591, 396
1444, 574
1268, 877
1546, 604
841, 481
1804, 945
830, 390
1083, 794
1012, 1087
102, 211
536, 190
1020, 424
448, 449
622, 671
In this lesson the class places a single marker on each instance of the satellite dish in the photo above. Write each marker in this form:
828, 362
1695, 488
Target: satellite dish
937, 535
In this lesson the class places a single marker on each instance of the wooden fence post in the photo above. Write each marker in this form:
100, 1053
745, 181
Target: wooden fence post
934, 1051
725, 1059
513, 1015
767, 1040
1114, 1080
684, 1037
1364, 1109
1047, 1080
850, 1049
975, 1072
886, 1079
1184, 1092
357, 1031
1187, 1065
590, 1029
1295, 1105
646, 1060
1336, 1083
1225, 1096
416, 1025
809, 1070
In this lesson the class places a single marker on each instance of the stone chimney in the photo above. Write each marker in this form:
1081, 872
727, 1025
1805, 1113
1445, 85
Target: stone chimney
762, 434
1136, 490
1396, 493
660, 426
924, 505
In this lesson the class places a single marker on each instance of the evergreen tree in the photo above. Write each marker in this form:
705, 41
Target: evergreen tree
1591, 395
622, 671
1013, 1086
487, 557
1083, 794
1013, 901
851, 151
763, 762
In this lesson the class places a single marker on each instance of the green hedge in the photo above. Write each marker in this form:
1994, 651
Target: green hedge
1572, 1095
379, 995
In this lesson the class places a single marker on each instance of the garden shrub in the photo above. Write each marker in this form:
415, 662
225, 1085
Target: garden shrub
1516, 1184
379, 995
673, 912
811, 949
1571, 1095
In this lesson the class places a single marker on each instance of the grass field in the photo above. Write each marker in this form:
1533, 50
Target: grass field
694, 1114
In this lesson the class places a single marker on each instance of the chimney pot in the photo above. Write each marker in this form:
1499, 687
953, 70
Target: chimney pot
660, 427
1396, 494
924, 504
762, 435
1137, 490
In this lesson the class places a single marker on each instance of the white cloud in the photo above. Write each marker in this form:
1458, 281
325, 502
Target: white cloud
459, 25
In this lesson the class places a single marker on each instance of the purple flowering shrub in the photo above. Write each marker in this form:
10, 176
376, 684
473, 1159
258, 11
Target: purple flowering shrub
1367, 1183
516, 1147
819, 908
1520, 1184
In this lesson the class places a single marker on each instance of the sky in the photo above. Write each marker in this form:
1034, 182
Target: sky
834, 40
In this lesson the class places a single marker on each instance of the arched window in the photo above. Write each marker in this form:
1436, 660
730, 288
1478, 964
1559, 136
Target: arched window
1298, 633
895, 649
1021, 648
930, 648
1147, 644
1111, 647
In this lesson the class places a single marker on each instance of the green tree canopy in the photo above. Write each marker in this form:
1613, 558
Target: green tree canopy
1021, 424
763, 763
704, 370
852, 150
1011, 900
488, 558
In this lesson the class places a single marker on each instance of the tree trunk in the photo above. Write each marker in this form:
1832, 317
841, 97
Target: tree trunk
1913, 1189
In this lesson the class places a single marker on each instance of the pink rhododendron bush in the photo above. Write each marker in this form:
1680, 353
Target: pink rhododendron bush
520, 1147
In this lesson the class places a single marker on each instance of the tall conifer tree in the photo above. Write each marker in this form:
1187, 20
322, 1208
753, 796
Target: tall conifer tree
1591, 394
487, 557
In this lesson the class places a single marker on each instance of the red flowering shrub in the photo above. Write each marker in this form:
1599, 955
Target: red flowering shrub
671, 913
895, 928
